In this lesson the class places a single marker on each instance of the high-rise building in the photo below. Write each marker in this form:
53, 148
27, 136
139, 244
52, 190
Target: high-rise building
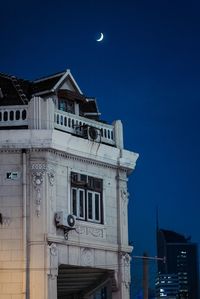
178, 275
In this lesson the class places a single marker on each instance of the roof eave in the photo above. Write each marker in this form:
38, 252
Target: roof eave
43, 92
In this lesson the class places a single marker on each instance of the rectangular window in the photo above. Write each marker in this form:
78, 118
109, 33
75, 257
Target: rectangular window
93, 205
87, 197
66, 105
97, 207
90, 206
74, 201
78, 203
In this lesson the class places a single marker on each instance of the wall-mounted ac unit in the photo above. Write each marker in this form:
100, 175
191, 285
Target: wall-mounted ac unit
65, 220
92, 133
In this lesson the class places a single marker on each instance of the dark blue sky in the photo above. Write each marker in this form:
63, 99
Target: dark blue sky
146, 72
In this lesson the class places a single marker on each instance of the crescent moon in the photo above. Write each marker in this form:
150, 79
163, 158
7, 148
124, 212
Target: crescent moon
101, 37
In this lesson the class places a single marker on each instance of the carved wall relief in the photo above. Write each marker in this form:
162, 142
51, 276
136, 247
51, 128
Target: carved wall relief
125, 264
87, 257
51, 179
124, 199
53, 260
51, 175
38, 172
88, 231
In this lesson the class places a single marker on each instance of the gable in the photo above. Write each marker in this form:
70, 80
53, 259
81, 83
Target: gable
67, 85
67, 82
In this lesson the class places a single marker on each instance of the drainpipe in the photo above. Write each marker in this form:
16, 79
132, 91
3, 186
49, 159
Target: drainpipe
24, 217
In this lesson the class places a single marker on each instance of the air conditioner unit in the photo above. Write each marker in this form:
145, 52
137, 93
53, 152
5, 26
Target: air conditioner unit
92, 133
65, 220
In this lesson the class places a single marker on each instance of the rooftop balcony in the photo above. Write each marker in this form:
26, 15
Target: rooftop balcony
42, 114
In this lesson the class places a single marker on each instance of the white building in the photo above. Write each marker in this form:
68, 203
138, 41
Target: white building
63, 194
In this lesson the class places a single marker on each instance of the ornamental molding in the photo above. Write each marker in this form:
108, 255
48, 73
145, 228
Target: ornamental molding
122, 176
124, 196
88, 231
53, 249
51, 175
38, 172
79, 159
6, 150
87, 257
95, 232
125, 264
53, 261
124, 199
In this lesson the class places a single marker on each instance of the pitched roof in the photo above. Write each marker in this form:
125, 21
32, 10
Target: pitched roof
16, 91
46, 84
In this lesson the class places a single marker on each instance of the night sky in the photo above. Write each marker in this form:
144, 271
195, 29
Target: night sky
145, 72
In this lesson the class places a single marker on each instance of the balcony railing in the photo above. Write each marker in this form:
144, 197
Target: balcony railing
76, 125
13, 116
17, 116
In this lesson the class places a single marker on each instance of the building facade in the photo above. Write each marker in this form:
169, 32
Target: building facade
178, 276
63, 194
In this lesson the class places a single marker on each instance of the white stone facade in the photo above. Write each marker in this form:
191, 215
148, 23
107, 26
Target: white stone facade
36, 258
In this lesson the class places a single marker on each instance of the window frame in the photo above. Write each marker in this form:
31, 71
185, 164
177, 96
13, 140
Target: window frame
66, 105
96, 191
93, 219
78, 190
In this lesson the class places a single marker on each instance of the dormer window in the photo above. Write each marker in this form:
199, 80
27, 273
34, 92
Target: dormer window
66, 105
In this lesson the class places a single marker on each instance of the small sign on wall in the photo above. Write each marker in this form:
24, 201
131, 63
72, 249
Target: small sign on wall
12, 175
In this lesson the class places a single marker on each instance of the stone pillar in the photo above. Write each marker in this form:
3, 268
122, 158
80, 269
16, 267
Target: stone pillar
122, 205
41, 113
123, 258
37, 230
118, 134
52, 271
125, 274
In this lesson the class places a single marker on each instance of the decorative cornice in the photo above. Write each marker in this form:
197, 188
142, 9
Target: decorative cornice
76, 158
10, 150
69, 156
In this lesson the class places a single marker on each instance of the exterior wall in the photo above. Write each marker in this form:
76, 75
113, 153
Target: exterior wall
29, 239
11, 248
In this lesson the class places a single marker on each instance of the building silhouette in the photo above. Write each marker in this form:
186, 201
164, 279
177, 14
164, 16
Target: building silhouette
63, 194
178, 276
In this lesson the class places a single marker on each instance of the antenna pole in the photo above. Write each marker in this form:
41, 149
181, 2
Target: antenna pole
157, 219
145, 276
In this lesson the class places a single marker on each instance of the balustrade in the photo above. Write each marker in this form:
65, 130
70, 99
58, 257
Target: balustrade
13, 116
76, 125
16, 116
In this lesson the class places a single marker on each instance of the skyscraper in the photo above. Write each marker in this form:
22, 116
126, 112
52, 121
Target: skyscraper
178, 275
